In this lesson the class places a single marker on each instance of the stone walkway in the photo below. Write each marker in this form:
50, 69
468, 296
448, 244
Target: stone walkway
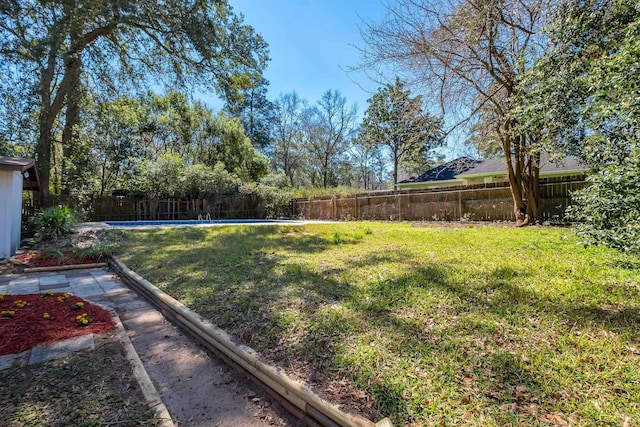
197, 388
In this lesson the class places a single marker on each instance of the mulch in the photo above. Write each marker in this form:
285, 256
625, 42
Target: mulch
37, 259
27, 327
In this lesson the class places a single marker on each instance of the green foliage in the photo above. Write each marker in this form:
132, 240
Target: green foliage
274, 195
98, 251
395, 120
50, 49
160, 178
336, 239
583, 98
117, 130
608, 211
53, 254
169, 176
53, 222
312, 192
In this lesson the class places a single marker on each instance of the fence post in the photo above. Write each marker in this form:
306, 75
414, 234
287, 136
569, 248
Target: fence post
333, 208
355, 213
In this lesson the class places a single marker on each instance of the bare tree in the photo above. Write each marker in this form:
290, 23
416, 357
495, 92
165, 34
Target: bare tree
287, 135
369, 163
470, 54
328, 127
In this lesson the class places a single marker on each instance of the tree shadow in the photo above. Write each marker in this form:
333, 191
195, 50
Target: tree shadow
306, 320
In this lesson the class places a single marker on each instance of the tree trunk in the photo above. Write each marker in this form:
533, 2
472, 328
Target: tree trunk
73, 68
534, 207
43, 155
395, 174
46, 118
523, 175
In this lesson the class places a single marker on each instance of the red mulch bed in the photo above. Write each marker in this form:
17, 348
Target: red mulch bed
27, 328
36, 259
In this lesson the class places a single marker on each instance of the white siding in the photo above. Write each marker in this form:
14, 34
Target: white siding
10, 212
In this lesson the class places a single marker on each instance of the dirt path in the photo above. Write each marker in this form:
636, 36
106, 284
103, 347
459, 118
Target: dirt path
197, 388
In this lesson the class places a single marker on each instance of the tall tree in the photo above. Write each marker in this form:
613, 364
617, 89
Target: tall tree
255, 112
328, 127
172, 124
287, 156
395, 119
583, 97
52, 47
369, 163
114, 128
470, 53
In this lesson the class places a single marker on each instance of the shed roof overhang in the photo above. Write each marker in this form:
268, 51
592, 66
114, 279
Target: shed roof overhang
27, 167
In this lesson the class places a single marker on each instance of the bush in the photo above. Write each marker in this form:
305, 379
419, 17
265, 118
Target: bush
274, 196
608, 211
53, 222
98, 251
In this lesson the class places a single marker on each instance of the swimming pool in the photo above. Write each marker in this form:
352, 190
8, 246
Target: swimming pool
199, 222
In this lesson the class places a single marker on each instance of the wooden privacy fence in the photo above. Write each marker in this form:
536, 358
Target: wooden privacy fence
126, 208
488, 202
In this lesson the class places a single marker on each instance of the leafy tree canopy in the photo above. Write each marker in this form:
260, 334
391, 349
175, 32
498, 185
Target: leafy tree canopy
396, 120
53, 50
583, 97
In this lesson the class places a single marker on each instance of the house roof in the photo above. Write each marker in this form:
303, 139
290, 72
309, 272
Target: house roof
547, 167
444, 172
26, 166
16, 163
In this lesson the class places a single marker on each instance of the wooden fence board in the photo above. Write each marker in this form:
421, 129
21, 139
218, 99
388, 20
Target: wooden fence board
491, 202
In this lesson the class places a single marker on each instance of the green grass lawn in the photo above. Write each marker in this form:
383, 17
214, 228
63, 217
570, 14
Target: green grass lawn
478, 325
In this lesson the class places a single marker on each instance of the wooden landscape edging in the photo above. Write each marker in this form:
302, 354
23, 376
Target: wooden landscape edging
293, 395
64, 267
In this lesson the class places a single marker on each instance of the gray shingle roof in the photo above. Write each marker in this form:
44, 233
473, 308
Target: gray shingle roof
445, 171
498, 166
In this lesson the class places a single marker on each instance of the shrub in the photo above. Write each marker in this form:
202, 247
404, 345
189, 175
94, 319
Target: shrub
53, 222
53, 254
274, 196
608, 211
98, 251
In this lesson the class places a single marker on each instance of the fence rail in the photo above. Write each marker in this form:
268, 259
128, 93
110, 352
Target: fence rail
489, 202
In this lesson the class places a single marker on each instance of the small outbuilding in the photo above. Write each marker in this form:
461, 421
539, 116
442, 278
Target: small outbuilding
16, 175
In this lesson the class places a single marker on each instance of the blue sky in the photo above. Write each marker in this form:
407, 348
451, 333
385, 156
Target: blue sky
311, 45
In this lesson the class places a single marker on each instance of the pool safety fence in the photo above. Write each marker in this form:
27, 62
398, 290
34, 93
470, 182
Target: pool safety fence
126, 208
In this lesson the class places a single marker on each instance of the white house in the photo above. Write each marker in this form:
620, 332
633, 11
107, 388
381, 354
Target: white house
16, 174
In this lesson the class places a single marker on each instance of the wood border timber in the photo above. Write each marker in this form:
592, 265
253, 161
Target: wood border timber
294, 396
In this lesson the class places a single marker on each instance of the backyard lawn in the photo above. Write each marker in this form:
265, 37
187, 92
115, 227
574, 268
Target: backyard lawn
466, 325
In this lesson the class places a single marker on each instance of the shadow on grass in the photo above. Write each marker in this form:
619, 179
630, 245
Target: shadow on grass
295, 314
500, 371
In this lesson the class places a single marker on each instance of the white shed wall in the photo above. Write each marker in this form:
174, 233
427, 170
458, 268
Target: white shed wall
10, 212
